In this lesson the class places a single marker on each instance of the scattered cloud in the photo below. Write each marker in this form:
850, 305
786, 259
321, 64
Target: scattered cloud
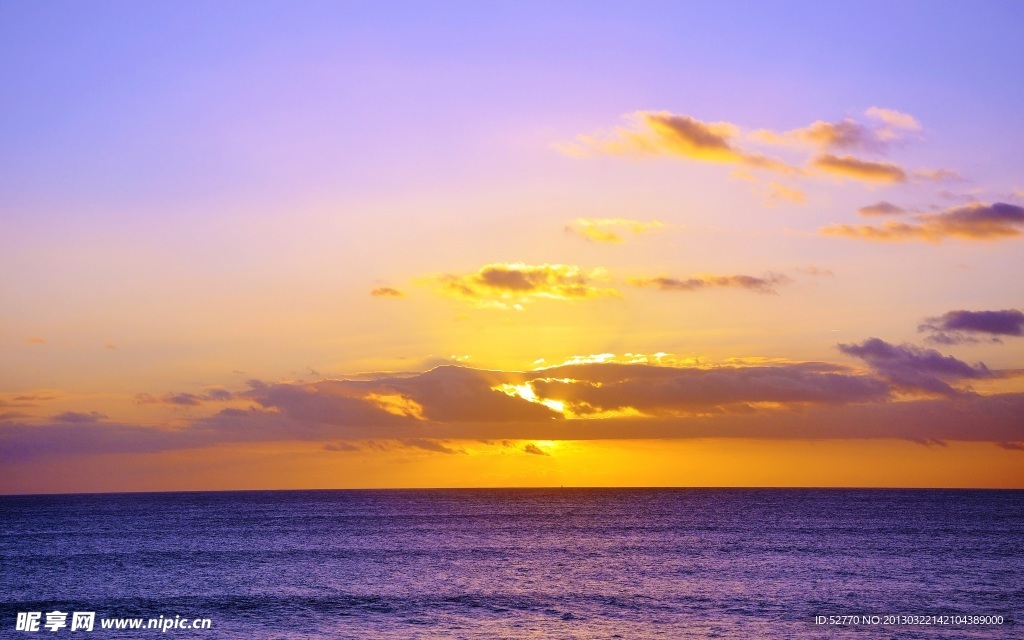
836, 147
513, 284
881, 208
913, 368
887, 127
970, 222
847, 166
764, 284
970, 327
386, 292
535, 450
664, 133
610, 229
846, 134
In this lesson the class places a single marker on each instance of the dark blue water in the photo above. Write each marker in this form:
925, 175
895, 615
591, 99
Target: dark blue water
560, 563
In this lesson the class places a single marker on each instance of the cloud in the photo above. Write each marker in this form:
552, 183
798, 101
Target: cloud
906, 393
894, 118
429, 445
890, 126
970, 222
847, 166
845, 134
939, 175
816, 271
760, 285
535, 450
507, 285
183, 399
341, 446
78, 417
649, 390
781, 193
964, 327
912, 368
386, 292
609, 229
664, 133
881, 208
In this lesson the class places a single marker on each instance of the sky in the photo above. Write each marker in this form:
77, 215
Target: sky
271, 245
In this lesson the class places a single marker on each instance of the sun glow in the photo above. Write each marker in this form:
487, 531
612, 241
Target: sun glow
526, 392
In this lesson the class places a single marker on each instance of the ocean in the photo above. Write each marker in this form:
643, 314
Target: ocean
517, 563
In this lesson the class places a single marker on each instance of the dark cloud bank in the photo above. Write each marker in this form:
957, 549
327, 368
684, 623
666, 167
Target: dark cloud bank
907, 393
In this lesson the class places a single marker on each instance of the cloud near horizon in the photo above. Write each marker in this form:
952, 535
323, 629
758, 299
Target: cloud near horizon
509, 285
975, 221
908, 393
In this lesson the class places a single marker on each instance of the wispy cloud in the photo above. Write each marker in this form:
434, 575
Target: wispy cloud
778, 193
508, 285
184, 399
765, 284
665, 133
430, 445
80, 417
970, 327
885, 127
939, 175
970, 222
895, 119
610, 229
387, 292
881, 208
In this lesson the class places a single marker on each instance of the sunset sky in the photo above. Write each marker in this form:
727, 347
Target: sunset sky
359, 244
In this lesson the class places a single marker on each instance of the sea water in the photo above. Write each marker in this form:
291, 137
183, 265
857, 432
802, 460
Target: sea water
519, 563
